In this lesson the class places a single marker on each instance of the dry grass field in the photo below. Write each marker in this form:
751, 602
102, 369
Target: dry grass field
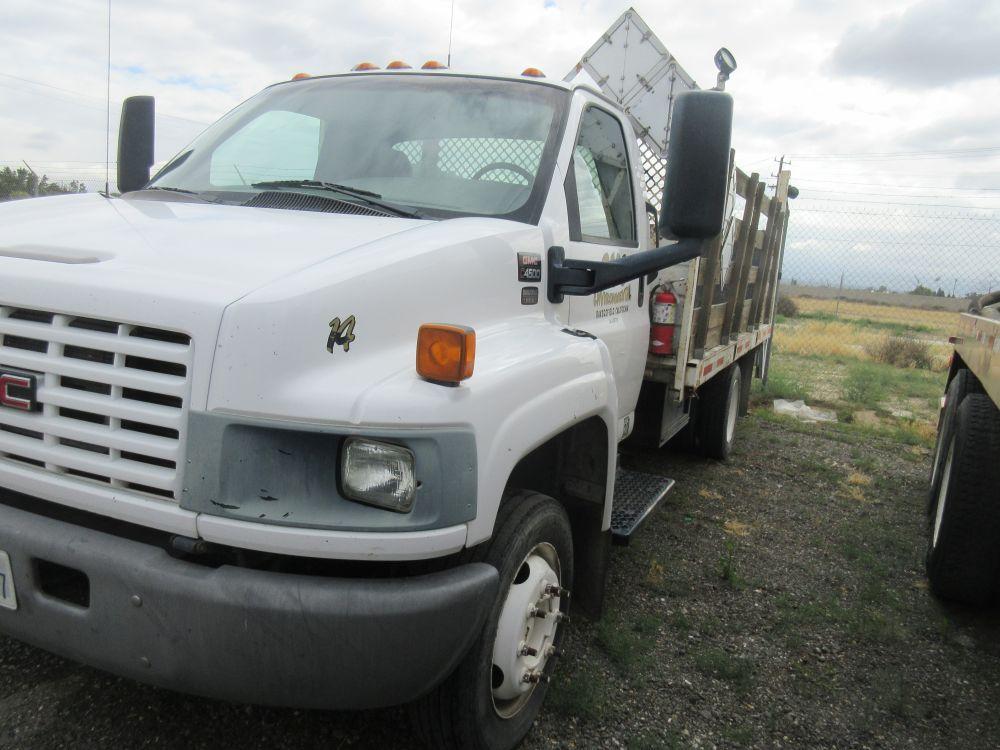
856, 329
892, 299
878, 367
938, 322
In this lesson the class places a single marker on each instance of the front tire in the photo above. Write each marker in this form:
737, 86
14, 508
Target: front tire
486, 705
963, 556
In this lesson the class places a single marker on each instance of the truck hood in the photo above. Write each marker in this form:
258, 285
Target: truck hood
170, 265
216, 252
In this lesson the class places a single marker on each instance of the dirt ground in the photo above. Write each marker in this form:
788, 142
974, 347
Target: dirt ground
775, 601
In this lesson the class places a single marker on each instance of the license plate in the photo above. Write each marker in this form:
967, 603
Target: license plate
8, 599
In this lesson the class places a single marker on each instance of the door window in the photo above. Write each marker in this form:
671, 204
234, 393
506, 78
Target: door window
604, 207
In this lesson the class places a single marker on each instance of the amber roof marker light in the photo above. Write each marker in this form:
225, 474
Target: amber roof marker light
365, 66
446, 354
532, 73
433, 65
398, 65
301, 76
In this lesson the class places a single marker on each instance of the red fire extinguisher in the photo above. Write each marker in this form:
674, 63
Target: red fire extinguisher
663, 322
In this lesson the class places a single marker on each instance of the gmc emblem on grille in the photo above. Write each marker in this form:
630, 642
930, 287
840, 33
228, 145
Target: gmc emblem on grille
18, 390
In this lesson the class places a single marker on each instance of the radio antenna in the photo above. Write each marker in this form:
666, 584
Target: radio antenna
107, 134
451, 29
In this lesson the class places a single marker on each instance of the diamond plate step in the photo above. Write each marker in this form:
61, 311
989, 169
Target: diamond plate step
636, 496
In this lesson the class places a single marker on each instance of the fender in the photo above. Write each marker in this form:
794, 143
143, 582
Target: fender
547, 387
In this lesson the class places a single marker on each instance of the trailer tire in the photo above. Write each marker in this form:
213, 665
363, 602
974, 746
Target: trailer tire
719, 407
463, 713
960, 386
963, 556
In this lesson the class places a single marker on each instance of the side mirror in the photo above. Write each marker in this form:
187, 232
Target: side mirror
135, 142
694, 196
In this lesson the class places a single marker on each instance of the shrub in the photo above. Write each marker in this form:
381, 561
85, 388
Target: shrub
784, 385
786, 307
900, 351
865, 385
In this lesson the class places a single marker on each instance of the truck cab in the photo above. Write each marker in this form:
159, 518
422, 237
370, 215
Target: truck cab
325, 413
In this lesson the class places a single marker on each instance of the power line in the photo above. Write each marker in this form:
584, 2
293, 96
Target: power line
879, 213
809, 191
892, 185
870, 172
881, 154
897, 159
898, 203
77, 94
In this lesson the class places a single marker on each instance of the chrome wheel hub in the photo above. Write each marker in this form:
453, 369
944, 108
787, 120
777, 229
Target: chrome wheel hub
526, 631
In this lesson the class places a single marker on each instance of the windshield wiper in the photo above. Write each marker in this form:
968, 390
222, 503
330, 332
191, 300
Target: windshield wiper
182, 191
365, 196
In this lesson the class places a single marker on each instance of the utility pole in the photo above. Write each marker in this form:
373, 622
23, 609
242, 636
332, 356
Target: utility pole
840, 293
38, 180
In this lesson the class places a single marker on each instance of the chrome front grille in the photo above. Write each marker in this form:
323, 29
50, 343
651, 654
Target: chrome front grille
112, 400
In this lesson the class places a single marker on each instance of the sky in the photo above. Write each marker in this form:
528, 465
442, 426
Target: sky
873, 103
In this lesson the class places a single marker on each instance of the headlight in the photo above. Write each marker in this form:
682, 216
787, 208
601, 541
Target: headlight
378, 474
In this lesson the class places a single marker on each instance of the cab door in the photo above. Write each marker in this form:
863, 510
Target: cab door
603, 225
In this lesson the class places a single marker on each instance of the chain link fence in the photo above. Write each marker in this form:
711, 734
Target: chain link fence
869, 296
869, 281
22, 179
854, 272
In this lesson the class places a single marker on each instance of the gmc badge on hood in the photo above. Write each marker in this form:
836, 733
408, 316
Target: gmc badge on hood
529, 267
18, 390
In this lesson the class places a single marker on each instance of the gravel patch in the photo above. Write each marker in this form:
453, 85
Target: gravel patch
775, 601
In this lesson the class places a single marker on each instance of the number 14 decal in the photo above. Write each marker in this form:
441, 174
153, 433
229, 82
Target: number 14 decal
341, 334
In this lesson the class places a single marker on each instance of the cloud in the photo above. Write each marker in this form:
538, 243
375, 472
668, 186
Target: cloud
932, 43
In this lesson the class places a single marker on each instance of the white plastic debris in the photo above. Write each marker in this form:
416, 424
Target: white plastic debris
802, 412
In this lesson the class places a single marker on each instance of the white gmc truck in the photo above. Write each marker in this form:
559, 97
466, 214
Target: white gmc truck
327, 412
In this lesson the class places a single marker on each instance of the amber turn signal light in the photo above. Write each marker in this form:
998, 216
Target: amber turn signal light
446, 354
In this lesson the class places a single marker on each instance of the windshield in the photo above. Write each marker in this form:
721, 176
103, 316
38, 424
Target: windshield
441, 145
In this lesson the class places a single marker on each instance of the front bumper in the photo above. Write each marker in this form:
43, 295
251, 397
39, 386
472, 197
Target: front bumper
239, 634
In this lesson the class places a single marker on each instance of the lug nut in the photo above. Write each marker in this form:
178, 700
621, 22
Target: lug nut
552, 651
535, 677
557, 591
562, 617
529, 651
541, 614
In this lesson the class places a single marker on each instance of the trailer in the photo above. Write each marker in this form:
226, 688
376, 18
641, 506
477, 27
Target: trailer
963, 508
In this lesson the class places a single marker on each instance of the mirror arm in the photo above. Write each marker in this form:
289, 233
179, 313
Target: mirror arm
585, 277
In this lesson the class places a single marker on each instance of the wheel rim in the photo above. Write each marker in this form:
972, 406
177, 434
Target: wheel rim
938, 448
936, 466
732, 407
525, 642
942, 494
